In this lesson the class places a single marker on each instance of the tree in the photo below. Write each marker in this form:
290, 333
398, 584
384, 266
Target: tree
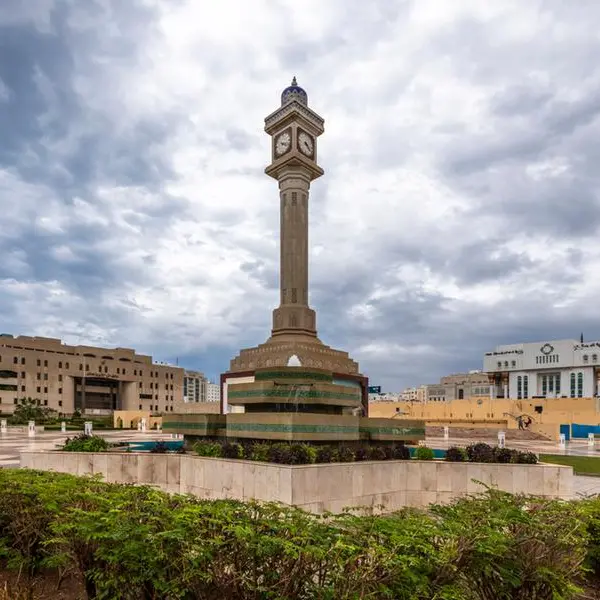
29, 409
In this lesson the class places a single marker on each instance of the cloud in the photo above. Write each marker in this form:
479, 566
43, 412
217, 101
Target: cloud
459, 207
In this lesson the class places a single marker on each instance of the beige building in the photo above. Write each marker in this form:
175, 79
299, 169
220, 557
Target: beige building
85, 378
194, 387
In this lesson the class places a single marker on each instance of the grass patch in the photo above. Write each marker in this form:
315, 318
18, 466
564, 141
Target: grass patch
582, 465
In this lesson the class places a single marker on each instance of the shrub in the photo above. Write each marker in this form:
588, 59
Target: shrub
159, 448
424, 453
525, 458
480, 452
377, 453
232, 450
85, 443
456, 454
361, 453
302, 454
133, 542
259, 451
181, 450
206, 448
503, 455
400, 452
345, 454
326, 454
280, 453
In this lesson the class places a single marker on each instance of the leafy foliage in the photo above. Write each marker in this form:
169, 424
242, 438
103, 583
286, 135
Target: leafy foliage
424, 453
134, 543
206, 448
480, 452
456, 454
85, 443
232, 450
29, 409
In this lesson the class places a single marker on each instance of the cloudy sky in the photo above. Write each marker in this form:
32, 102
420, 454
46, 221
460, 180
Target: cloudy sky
459, 208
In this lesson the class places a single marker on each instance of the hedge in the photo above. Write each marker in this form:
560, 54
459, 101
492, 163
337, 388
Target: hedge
135, 542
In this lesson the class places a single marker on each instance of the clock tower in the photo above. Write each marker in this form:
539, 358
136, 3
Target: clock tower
294, 129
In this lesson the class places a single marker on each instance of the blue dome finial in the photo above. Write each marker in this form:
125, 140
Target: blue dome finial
294, 92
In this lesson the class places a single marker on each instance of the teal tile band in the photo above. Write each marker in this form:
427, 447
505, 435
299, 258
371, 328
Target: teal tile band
291, 393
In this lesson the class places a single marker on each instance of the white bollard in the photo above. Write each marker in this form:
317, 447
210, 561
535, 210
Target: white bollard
88, 428
3, 427
31, 428
446, 433
591, 440
143, 424
63, 427
501, 439
562, 441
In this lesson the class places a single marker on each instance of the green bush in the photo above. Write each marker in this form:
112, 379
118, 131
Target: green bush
259, 451
326, 454
456, 454
206, 448
377, 453
134, 542
424, 453
480, 452
232, 450
345, 454
85, 443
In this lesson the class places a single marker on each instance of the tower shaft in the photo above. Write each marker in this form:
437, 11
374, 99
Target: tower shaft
293, 316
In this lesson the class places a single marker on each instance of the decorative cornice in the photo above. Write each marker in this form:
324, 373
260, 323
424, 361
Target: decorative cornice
294, 106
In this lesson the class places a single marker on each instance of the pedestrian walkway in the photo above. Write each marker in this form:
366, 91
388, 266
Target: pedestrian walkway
13, 442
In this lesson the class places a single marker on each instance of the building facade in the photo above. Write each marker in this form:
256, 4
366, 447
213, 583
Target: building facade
194, 387
213, 392
553, 369
84, 378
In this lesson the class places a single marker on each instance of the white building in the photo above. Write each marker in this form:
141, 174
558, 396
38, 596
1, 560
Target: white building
213, 392
554, 369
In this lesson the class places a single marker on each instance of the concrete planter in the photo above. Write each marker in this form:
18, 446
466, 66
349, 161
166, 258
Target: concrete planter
380, 486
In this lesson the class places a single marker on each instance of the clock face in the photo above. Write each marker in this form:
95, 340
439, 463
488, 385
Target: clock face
305, 143
282, 143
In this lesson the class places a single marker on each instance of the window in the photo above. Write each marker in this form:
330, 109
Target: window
23, 374
39, 362
595, 357
16, 401
506, 363
80, 367
544, 385
38, 389
580, 385
118, 371
45, 402
22, 388
140, 407
499, 364
135, 371
22, 361
124, 372
45, 363
39, 376
60, 391
60, 377
572, 385
45, 376
45, 390
60, 365
513, 363
519, 387
66, 365
15, 360
525, 386
87, 367
60, 402
585, 358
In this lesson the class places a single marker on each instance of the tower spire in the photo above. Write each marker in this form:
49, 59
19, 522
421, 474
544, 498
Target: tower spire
294, 82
